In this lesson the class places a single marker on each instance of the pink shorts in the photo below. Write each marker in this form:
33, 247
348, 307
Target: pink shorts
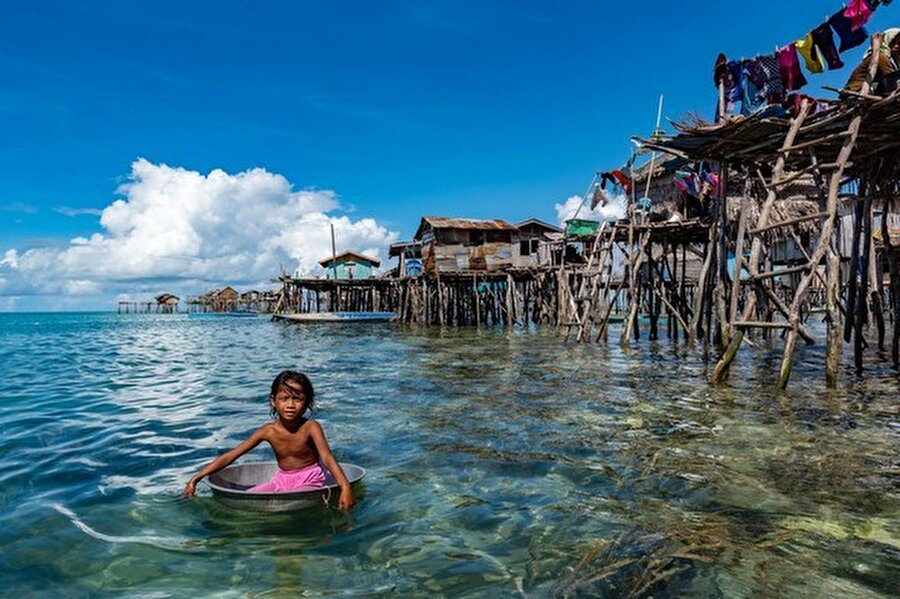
286, 481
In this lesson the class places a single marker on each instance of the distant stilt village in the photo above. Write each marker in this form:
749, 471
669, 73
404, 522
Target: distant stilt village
735, 233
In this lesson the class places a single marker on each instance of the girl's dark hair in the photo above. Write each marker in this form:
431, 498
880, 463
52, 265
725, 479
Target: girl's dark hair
298, 378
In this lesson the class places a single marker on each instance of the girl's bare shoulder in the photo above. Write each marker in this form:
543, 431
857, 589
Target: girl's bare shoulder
312, 427
266, 430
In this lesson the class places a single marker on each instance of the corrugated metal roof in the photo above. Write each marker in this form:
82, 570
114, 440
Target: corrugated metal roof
540, 223
350, 255
397, 248
442, 222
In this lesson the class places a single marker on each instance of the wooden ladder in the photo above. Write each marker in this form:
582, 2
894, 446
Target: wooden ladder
585, 305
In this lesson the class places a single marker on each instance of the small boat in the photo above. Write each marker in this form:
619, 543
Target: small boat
230, 486
323, 317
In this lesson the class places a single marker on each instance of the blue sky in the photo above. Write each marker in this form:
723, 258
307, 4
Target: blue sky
401, 108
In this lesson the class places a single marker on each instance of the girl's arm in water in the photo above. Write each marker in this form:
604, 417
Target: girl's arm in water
318, 436
224, 460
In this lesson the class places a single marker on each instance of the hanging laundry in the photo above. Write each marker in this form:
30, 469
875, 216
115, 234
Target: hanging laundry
859, 12
754, 71
622, 180
689, 182
751, 96
728, 74
606, 177
710, 176
772, 89
736, 70
789, 68
683, 181
850, 37
824, 41
696, 184
754, 78
807, 49
598, 198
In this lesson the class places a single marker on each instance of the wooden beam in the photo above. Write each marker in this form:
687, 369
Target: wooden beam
789, 222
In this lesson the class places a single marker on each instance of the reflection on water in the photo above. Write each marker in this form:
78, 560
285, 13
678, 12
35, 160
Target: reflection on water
500, 464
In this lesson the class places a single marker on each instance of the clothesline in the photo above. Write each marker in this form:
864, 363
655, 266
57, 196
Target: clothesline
758, 82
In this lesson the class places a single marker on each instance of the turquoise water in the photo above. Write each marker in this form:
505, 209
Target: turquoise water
500, 464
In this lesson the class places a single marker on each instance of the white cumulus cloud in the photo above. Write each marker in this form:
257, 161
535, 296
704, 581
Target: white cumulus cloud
614, 209
183, 230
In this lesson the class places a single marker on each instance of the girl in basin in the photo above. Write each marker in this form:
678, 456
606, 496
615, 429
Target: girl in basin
298, 442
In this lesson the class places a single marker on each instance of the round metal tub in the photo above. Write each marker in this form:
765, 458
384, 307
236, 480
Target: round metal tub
230, 485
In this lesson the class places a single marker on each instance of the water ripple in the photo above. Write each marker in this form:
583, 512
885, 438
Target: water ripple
500, 464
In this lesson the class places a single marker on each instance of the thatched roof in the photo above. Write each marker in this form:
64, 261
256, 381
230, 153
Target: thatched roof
758, 138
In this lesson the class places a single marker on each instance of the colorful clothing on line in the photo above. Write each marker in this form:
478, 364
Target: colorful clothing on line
772, 89
850, 37
789, 68
286, 481
622, 180
807, 49
824, 40
598, 198
728, 74
754, 71
753, 81
859, 12
734, 92
710, 176
688, 182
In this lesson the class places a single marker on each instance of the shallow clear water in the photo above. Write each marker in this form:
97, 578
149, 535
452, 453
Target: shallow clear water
500, 464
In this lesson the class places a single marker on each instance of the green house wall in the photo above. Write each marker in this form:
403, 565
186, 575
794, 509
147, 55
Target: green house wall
359, 270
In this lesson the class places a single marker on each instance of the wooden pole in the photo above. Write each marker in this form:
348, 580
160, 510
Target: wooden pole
510, 316
875, 280
476, 299
333, 255
827, 231
861, 314
852, 284
833, 351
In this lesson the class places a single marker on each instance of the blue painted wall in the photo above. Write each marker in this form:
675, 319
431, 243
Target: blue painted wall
349, 270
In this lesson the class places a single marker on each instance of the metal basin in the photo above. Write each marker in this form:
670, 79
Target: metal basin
230, 485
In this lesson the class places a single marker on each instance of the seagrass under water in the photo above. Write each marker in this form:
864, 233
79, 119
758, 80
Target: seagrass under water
499, 464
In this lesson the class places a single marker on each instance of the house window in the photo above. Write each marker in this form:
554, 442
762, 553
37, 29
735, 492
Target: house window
528, 247
476, 238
